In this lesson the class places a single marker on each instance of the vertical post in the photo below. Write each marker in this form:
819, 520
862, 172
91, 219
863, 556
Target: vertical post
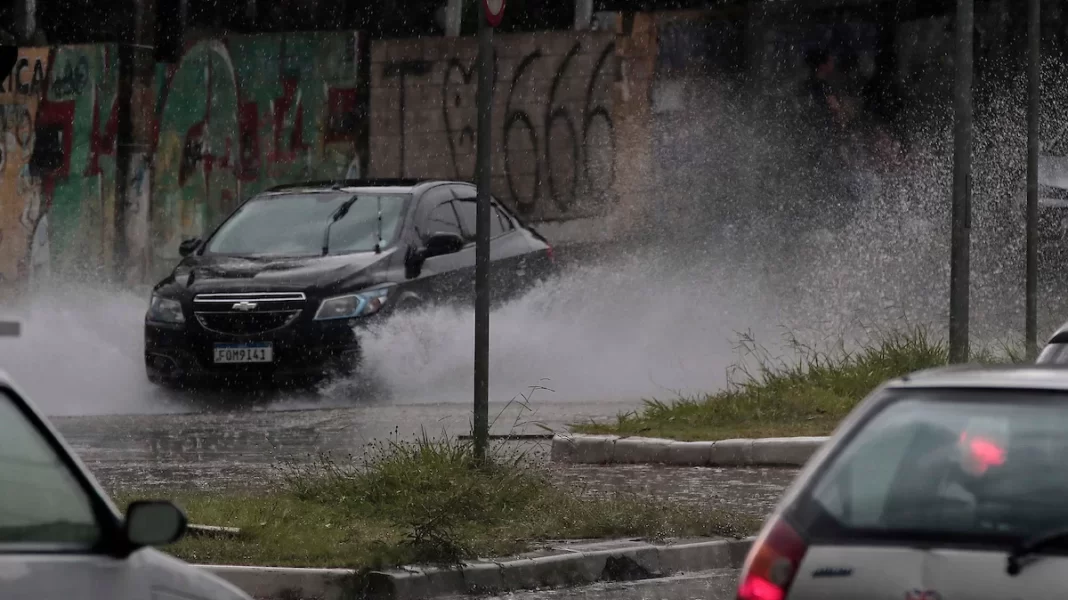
960, 277
1034, 62
454, 17
135, 113
583, 14
26, 21
482, 250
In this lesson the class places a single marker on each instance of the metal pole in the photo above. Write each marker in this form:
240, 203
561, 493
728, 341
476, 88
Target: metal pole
482, 249
1034, 39
136, 99
959, 278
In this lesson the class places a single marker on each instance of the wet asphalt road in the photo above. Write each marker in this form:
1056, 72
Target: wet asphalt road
242, 449
223, 449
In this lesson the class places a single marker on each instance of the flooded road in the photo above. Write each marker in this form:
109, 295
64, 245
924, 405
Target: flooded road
238, 449
242, 449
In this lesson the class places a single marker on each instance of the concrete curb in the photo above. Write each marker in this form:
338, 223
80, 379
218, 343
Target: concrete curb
610, 449
571, 568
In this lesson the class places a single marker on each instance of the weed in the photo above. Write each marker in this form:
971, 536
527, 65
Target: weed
807, 393
425, 500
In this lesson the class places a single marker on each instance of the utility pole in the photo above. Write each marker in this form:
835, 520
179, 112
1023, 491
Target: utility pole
960, 240
26, 21
454, 16
137, 63
482, 243
1034, 90
583, 14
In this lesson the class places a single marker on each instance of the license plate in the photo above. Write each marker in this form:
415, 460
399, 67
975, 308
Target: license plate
244, 353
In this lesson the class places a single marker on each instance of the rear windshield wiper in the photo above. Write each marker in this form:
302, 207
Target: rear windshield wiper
334, 218
1032, 545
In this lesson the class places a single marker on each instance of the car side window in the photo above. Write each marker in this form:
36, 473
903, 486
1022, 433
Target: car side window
468, 210
43, 503
441, 219
506, 223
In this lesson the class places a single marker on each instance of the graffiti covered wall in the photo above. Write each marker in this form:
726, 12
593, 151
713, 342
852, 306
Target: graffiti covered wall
58, 163
242, 113
553, 131
235, 115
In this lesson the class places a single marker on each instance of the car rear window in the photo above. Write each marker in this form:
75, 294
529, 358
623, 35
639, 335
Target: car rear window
935, 463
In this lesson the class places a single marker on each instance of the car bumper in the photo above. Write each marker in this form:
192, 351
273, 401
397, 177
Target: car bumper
185, 353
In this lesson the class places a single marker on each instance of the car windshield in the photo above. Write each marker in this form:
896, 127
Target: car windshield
952, 463
42, 502
294, 225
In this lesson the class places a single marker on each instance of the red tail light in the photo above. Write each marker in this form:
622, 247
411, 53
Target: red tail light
772, 563
549, 251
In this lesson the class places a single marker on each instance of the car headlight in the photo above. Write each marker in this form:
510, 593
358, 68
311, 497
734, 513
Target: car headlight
165, 310
350, 306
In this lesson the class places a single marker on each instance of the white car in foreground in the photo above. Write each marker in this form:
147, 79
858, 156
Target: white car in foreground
61, 537
947, 484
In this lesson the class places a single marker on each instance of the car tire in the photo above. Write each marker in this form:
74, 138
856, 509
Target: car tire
161, 381
407, 305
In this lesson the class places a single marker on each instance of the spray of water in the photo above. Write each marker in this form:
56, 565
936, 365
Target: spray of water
80, 352
741, 233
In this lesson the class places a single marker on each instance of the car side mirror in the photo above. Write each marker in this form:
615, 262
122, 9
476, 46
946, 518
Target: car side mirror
442, 242
154, 523
189, 246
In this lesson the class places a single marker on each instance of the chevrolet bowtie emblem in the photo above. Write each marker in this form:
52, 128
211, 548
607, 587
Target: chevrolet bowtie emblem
246, 306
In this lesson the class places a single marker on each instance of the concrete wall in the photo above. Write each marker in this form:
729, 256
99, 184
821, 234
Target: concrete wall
553, 128
60, 215
240, 113
235, 115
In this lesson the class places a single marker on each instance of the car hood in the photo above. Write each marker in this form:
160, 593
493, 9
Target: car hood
228, 273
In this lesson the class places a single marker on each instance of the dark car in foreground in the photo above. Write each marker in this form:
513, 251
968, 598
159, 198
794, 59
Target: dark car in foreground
286, 283
947, 483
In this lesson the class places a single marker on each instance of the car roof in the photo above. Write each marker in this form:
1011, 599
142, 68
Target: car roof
1021, 377
358, 186
1060, 336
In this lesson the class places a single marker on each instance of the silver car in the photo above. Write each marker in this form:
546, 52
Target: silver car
1055, 352
946, 484
61, 538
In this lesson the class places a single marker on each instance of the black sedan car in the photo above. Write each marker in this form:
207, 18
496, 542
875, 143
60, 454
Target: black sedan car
284, 286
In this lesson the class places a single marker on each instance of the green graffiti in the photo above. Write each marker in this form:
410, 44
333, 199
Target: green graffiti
82, 88
242, 114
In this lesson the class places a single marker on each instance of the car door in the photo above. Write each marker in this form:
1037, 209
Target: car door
509, 250
439, 278
53, 530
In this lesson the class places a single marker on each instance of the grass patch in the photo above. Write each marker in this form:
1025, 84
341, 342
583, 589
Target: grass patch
807, 395
425, 501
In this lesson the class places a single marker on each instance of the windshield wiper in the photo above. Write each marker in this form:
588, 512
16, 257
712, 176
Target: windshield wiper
1032, 545
334, 218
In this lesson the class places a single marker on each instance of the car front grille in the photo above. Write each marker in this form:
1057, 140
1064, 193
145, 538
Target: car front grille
246, 323
247, 313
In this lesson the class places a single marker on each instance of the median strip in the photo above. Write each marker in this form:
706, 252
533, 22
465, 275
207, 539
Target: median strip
467, 523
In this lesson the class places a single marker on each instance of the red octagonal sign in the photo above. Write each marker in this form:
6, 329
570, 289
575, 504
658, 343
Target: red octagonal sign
494, 11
